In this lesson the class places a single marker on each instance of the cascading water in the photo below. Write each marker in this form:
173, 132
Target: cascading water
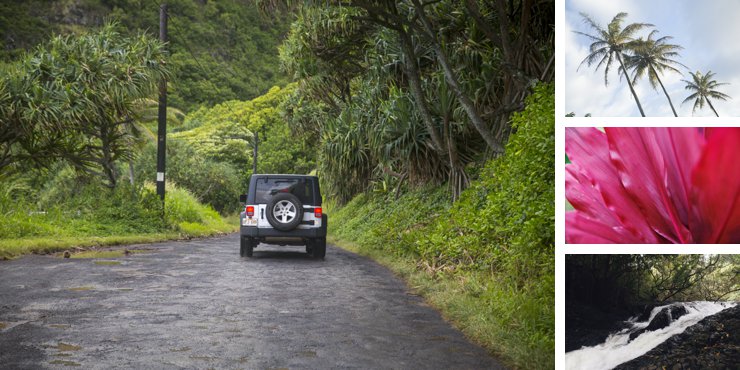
618, 348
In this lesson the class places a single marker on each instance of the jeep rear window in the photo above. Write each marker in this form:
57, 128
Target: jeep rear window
269, 186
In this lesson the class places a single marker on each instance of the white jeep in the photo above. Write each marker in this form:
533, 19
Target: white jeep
283, 210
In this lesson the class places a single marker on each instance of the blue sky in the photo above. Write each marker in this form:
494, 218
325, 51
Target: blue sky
709, 32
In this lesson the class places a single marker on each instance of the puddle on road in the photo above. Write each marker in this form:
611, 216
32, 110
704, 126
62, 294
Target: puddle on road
107, 253
183, 349
310, 354
65, 347
81, 288
65, 363
125, 289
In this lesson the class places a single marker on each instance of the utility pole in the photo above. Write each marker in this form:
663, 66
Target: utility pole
256, 142
162, 113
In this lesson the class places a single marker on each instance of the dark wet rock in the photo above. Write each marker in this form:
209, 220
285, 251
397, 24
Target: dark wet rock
662, 319
646, 311
712, 343
666, 316
588, 326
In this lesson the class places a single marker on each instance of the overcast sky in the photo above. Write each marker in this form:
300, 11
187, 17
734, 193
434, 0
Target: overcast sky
708, 31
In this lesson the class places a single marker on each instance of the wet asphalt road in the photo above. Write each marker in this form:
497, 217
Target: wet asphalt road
197, 304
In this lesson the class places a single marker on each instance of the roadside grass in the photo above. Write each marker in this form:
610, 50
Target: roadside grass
11, 248
89, 254
95, 220
508, 320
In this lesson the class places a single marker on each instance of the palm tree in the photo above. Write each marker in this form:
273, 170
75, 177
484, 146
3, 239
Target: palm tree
609, 43
652, 58
704, 87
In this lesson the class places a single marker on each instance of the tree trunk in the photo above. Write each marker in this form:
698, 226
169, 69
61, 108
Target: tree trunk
666, 95
130, 162
458, 180
131, 172
107, 156
632, 89
411, 69
451, 78
712, 106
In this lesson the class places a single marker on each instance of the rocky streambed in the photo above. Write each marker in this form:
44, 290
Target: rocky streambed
712, 343
685, 335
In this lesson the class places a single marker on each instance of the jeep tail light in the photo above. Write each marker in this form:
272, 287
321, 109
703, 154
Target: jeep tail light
317, 212
249, 210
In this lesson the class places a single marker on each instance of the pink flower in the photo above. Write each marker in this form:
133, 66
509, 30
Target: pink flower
653, 185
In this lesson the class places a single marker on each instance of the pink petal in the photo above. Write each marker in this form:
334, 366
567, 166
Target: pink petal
681, 149
716, 189
583, 194
580, 229
588, 149
642, 170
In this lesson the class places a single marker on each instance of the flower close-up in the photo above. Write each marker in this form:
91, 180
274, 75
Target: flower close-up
653, 185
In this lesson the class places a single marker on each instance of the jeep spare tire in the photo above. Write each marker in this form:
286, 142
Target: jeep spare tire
284, 211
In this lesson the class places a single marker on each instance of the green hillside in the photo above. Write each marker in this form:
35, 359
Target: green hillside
220, 50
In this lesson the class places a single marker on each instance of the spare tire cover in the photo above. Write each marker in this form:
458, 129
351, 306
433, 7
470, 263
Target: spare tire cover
284, 211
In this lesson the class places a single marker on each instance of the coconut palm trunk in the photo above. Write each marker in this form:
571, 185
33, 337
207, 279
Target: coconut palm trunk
712, 107
632, 88
670, 102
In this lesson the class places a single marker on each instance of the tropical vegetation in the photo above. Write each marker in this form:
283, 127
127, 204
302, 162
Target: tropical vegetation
487, 259
414, 109
612, 281
641, 57
704, 87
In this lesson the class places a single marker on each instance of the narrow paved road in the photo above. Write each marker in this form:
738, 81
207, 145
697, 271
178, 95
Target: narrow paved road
197, 304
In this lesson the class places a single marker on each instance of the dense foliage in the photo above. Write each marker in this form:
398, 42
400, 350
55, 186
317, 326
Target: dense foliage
74, 99
405, 92
68, 211
211, 154
498, 237
219, 50
628, 280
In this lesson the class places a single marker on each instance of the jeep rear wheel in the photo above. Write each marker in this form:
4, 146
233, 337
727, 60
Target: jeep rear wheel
246, 246
319, 248
284, 211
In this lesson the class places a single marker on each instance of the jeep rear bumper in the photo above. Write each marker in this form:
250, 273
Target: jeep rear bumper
256, 232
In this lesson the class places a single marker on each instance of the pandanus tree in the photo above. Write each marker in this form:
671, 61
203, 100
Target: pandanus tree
75, 99
609, 44
651, 58
704, 87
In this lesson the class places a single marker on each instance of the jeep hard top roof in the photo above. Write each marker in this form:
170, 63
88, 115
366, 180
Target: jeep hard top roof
309, 195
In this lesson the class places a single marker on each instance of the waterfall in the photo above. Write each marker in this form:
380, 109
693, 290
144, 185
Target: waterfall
618, 348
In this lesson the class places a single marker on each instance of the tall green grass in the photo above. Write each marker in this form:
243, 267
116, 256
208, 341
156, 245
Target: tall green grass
94, 216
